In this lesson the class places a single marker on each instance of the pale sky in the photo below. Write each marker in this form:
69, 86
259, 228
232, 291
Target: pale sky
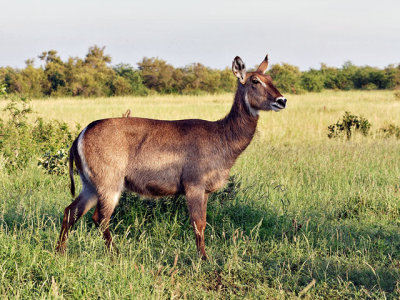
302, 33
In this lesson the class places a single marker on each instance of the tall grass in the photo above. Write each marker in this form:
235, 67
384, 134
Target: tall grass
300, 208
306, 117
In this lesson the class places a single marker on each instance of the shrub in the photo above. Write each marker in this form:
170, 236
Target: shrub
286, 78
51, 135
22, 141
120, 87
157, 74
335, 78
370, 86
133, 78
348, 125
390, 130
14, 143
312, 81
54, 162
3, 89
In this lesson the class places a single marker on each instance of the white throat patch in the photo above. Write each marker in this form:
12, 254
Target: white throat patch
253, 111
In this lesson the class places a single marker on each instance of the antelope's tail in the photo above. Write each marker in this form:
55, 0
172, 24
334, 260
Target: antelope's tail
71, 170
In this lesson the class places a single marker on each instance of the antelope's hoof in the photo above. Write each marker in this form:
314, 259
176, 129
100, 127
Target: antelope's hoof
60, 249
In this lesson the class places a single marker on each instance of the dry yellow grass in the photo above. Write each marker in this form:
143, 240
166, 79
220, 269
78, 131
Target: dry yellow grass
305, 119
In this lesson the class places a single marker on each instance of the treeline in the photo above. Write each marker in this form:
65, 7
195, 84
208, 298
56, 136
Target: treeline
290, 79
95, 76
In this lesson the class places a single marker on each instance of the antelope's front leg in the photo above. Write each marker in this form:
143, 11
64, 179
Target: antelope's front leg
196, 200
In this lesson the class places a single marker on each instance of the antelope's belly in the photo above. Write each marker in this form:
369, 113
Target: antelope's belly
215, 179
153, 184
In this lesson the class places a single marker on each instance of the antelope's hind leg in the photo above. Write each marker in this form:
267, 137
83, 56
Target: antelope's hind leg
105, 208
79, 207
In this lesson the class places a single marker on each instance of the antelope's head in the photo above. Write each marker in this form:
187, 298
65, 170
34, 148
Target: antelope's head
259, 91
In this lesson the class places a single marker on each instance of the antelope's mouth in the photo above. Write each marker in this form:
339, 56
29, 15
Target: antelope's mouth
278, 104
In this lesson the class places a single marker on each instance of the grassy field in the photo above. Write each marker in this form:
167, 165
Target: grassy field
303, 216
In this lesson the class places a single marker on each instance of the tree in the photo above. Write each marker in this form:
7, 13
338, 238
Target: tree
34, 79
96, 58
286, 77
54, 70
157, 74
312, 81
93, 76
133, 78
227, 82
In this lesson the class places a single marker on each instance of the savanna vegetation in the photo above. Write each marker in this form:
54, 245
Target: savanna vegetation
304, 214
94, 76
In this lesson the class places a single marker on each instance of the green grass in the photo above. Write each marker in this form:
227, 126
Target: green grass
300, 207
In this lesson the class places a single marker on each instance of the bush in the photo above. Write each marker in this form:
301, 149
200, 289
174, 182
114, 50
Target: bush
54, 162
15, 144
312, 81
21, 141
157, 74
348, 125
286, 78
3, 90
390, 130
370, 86
335, 78
133, 78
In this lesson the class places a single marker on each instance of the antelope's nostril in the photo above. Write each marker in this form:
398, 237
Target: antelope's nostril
281, 101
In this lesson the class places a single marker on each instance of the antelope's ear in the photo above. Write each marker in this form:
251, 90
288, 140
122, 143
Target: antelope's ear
263, 66
239, 69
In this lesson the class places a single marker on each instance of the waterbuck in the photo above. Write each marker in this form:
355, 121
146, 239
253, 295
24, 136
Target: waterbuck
157, 158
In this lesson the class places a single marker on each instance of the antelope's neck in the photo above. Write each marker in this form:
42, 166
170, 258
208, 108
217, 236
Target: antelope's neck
239, 125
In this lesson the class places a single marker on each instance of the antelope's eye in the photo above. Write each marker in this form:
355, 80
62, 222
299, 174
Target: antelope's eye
255, 81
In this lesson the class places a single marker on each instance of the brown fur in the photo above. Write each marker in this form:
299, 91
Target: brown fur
156, 158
